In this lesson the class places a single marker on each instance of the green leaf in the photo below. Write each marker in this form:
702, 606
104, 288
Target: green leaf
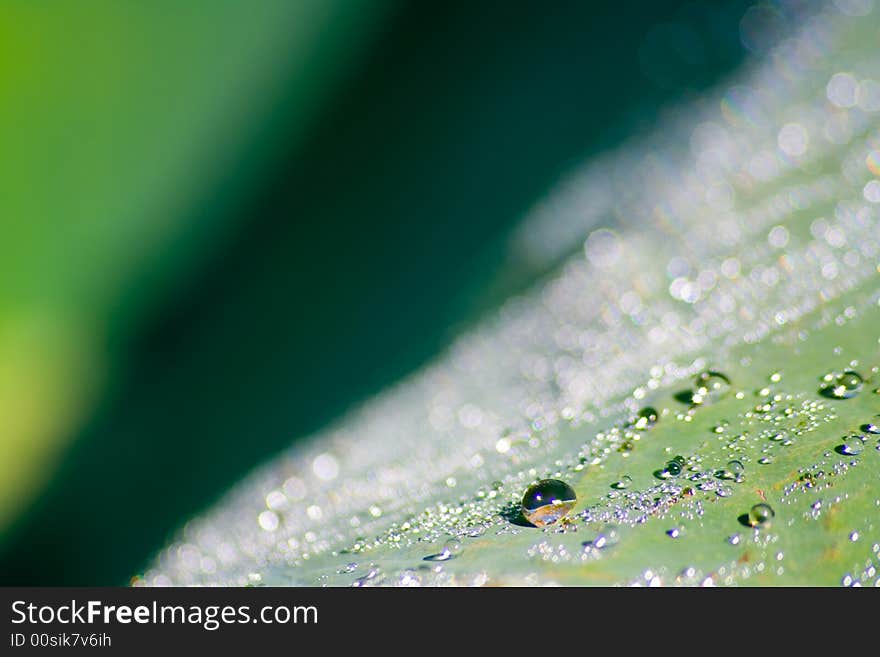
733, 249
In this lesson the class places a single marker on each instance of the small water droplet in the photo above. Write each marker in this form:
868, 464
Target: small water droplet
673, 467
733, 470
646, 418
871, 428
734, 539
723, 491
761, 515
854, 536
710, 386
624, 482
451, 549
736, 467
675, 532
844, 386
547, 501
607, 538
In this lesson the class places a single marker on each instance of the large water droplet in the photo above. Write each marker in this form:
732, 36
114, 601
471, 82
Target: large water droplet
710, 386
761, 515
853, 446
844, 386
547, 501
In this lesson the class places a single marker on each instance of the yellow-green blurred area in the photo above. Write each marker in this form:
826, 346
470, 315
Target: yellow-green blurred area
119, 119
223, 223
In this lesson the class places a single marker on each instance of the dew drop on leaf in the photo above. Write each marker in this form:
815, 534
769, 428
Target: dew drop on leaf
647, 418
853, 446
761, 515
547, 501
710, 386
673, 468
844, 386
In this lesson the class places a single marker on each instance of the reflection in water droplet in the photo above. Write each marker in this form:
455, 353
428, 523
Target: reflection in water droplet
547, 501
844, 386
675, 532
871, 428
710, 386
765, 460
647, 418
734, 539
761, 515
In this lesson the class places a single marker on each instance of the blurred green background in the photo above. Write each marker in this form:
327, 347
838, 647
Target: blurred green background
224, 223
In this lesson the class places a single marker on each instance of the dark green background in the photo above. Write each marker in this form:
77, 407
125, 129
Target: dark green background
360, 256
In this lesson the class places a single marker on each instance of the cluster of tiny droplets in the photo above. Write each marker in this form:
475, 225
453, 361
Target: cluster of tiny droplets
868, 574
761, 209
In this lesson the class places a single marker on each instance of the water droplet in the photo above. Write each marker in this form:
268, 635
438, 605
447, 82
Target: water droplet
673, 468
547, 501
675, 532
853, 446
871, 428
606, 538
735, 467
723, 491
733, 470
451, 549
647, 418
734, 539
854, 537
624, 482
710, 386
765, 460
844, 386
761, 515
